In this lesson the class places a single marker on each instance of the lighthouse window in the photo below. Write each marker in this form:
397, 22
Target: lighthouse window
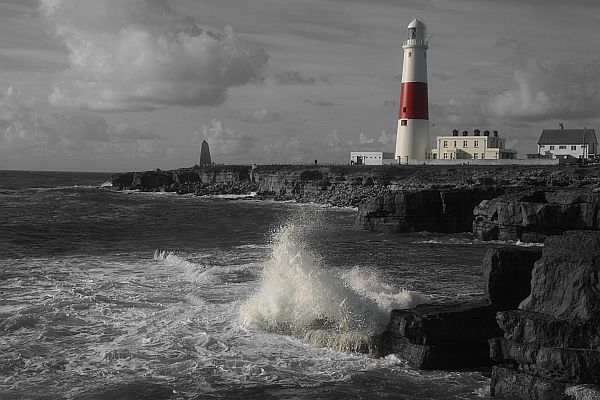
412, 33
403, 122
403, 109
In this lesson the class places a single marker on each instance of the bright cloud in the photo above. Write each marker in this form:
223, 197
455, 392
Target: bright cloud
140, 55
66, 132
223, 140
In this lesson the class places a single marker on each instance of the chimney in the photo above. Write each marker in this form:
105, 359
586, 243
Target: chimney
454, 132
465, 133
476, 132
486, 133
495, 133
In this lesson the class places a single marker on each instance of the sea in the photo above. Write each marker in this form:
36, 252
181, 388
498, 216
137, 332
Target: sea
128, 295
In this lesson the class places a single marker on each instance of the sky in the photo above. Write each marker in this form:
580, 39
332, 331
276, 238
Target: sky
123, 85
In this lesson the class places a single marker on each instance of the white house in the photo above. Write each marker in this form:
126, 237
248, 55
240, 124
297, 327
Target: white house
558, 143
475, 147
372, 158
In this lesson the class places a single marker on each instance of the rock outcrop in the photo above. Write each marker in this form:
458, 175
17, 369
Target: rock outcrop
455, 336
533, 215
552, 341
433, 210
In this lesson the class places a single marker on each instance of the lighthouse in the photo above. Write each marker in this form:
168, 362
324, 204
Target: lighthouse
412, 138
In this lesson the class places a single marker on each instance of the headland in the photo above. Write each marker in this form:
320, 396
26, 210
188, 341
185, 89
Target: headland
538, 328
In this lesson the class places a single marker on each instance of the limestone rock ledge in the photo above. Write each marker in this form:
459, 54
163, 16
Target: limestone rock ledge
533, 215
455, 336
552, 342
433, 210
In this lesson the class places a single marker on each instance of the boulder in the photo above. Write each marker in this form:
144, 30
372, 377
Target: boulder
552, 341
509, 382
545, 330
442, 336
507, 275
560, 364
565, 282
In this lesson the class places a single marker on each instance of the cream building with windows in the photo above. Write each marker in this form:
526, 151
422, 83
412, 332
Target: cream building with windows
475, 147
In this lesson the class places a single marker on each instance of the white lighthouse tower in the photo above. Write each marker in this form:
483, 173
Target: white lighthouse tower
412, 139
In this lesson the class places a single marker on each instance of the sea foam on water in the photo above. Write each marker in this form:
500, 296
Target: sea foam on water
301, 296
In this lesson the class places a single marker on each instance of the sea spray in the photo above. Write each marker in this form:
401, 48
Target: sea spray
301, 296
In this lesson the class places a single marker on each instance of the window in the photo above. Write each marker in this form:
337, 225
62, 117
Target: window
455, 144
562, 147
583, 146
445, 143
573, 147
445, 155
403, 109
465, 143
477, 143
475, 155
410, 53
403, 122
551, 147
482, 156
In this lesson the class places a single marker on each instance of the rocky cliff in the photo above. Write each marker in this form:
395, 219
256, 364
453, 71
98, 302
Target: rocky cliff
533, 215
552, 341
433, 210
455, 336
401, 198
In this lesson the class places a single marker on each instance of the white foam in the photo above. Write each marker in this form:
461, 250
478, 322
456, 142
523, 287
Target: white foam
192, 271
298, 294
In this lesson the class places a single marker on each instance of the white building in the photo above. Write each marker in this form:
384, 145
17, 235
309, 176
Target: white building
558, 143
476, 147
372, 158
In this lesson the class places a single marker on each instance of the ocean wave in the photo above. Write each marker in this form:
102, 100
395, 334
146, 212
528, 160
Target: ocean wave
302, 297
192, 271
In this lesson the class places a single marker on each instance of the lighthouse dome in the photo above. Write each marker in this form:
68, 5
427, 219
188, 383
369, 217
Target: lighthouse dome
416, 23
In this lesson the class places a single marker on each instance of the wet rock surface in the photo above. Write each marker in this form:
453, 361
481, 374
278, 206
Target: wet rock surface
552, 341
455, 336
533, 215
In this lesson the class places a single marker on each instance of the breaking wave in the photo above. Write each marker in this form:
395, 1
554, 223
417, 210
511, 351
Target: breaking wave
301, 296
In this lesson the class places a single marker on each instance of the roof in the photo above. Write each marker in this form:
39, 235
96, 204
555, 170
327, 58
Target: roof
567, 136
416, 23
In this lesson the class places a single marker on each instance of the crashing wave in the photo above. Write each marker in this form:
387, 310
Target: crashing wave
302, 297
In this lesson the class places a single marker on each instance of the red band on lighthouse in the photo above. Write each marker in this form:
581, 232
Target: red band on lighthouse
414, 101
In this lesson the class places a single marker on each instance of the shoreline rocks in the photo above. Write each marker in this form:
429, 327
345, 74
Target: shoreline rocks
455, 336
552, 341
533, 215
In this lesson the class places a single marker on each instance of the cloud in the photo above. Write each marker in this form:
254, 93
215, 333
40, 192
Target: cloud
364, 139
140, 55
386, 138
320, 103
264, 115
297, 78
547, 90
21, 131
223, 140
